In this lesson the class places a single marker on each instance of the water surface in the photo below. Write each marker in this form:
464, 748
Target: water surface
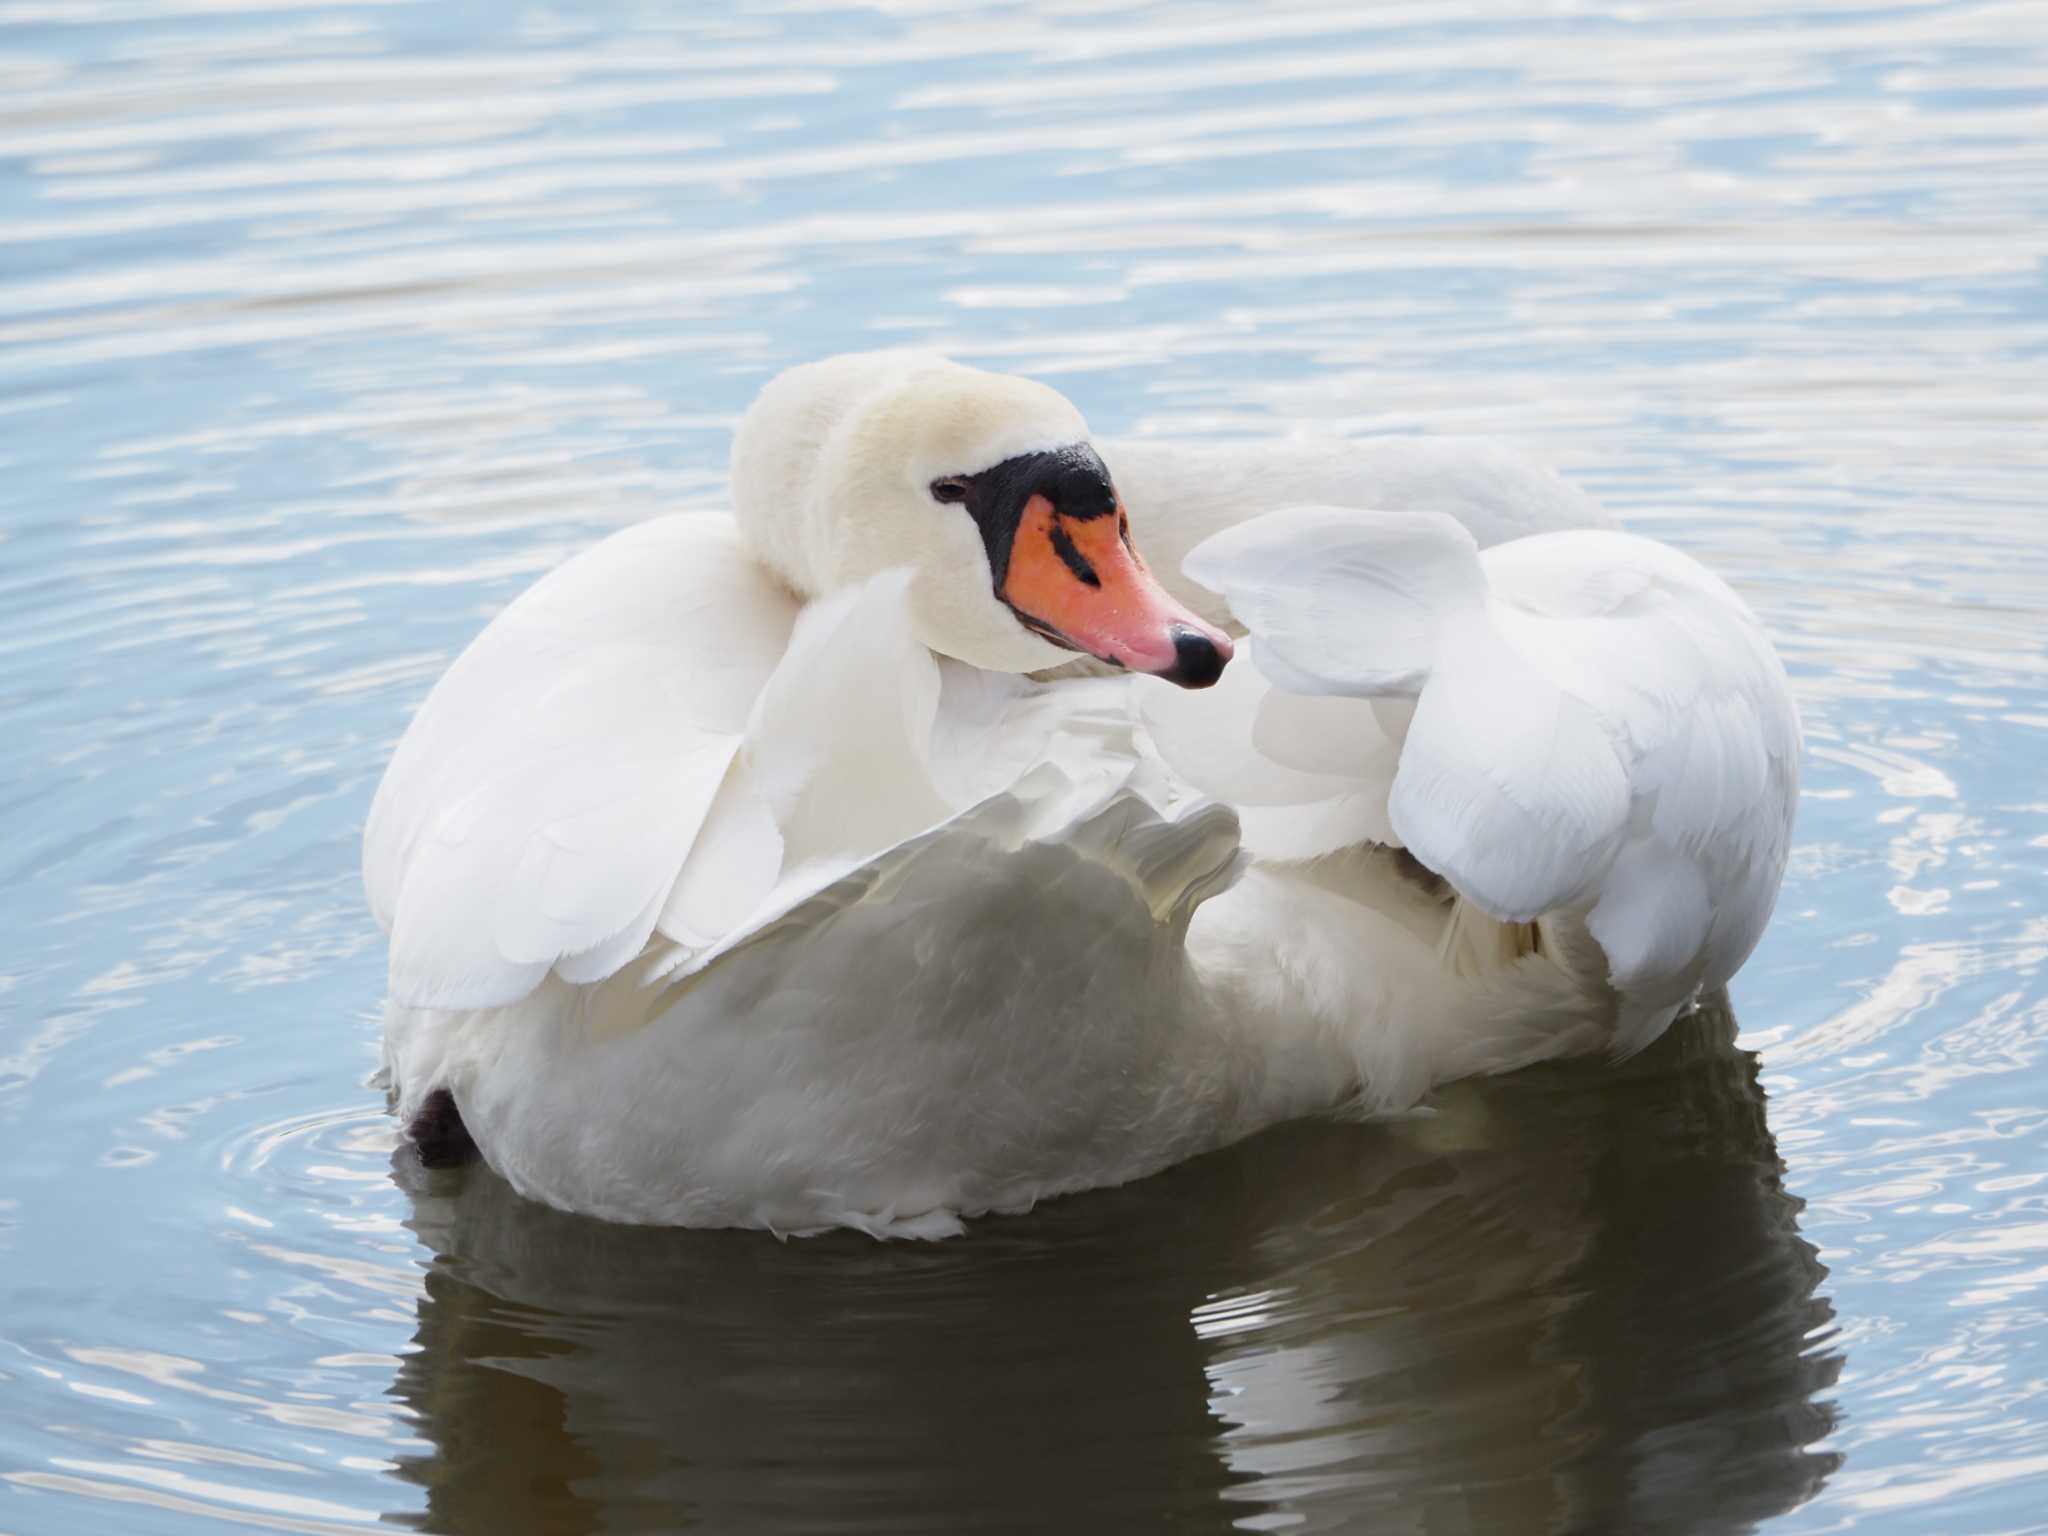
325, 327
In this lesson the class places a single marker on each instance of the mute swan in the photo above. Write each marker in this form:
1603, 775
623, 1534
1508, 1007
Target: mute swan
739, 874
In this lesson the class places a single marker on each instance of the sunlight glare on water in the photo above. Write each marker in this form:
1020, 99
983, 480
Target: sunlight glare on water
325, 327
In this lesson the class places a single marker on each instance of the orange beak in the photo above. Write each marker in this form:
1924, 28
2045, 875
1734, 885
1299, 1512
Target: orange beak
1078, 582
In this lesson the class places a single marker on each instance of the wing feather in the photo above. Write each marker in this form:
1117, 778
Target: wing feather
1307, 775
547, 794
1600, 724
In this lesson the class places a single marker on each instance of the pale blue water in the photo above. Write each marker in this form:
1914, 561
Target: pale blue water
324, 327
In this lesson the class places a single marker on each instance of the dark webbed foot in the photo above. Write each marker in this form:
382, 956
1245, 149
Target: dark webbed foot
438, 1134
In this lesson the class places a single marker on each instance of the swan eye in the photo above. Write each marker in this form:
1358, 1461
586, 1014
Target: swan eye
949, 490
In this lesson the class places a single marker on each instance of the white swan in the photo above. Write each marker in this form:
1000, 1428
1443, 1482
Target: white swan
738, 875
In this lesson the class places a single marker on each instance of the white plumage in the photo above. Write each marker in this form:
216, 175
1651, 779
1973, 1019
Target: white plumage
1598, 724
717, 902
538, 812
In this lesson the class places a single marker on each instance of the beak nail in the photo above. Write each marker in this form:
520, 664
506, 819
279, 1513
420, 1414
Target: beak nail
1198, 658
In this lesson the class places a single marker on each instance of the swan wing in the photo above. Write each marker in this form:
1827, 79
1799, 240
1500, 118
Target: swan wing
1699, 713
832, 766
1598, 723
547, 794
1307, 756
1307, 776
657, 745
863, 741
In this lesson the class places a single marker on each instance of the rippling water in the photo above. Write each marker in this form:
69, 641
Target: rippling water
323, 327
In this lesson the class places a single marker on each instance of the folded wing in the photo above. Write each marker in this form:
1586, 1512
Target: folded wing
1584, 721
545, 797
657, 748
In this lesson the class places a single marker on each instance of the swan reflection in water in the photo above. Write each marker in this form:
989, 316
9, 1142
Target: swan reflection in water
1574, 1299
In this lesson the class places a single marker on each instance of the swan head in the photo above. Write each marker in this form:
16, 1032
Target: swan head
986, 487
